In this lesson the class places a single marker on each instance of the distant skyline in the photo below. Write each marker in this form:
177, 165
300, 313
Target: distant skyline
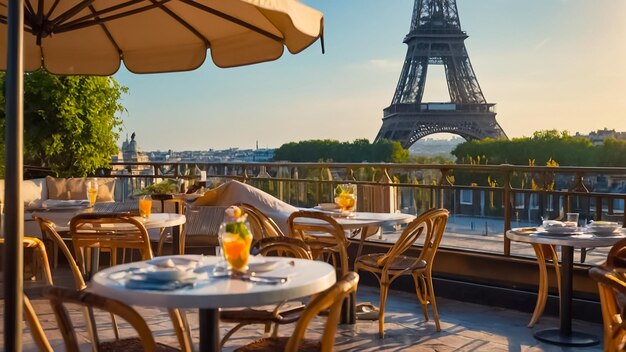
547, 64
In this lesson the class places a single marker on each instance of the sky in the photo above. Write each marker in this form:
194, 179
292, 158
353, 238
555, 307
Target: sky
547, 64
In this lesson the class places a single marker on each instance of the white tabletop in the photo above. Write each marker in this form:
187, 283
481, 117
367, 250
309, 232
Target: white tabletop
578, 239
155, 221
306, 277
363, 219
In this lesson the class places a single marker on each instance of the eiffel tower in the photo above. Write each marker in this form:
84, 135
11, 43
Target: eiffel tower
436, 38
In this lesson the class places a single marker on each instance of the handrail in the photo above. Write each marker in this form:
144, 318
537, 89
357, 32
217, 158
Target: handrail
433, 184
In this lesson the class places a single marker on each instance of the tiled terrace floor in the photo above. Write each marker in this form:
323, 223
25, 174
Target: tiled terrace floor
466, 327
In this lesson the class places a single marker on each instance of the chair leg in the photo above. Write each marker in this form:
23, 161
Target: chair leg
384, 289
542, 294
230, 333
431, 298
419, 287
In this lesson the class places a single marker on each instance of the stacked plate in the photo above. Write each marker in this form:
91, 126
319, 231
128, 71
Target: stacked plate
559, 227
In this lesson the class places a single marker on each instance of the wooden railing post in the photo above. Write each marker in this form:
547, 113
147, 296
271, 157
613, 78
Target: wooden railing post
507, 211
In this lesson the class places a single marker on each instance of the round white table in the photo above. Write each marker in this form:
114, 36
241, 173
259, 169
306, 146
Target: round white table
306, 277
565, 336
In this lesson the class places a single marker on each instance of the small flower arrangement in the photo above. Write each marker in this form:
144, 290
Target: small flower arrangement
236, 221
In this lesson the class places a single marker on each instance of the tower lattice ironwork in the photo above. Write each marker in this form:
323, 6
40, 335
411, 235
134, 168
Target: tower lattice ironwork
436, 38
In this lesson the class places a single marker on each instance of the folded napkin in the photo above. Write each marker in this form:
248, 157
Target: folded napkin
139, 282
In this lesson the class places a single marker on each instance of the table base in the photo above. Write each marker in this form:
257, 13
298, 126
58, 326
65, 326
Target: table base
209, 329
576, 338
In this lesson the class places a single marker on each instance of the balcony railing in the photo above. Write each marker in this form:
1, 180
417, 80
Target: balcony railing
484, 200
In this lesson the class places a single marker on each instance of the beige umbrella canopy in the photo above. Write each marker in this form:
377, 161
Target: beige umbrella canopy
93, 37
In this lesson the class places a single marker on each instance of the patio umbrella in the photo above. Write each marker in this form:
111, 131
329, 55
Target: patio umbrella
93, 37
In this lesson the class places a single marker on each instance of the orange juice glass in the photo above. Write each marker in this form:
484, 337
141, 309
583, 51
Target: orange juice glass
145, 206
236, 246
92, 194
345, 197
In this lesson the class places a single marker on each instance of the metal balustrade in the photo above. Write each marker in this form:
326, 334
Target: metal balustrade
510, 194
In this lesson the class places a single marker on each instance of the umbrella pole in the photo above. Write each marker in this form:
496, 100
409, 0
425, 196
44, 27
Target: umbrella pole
14, 208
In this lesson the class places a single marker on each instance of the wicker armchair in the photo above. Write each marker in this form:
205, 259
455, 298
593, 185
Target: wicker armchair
389, 266
202, 227
331, 299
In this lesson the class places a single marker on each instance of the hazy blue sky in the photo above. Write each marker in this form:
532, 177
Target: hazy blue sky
546, 63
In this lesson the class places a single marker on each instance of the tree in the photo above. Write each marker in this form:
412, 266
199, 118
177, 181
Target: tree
344, 152
541, 147
71, 123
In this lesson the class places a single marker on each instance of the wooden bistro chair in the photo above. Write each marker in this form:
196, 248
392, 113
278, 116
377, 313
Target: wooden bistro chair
40, 265
283, 313
611, 278
144, 342
323, 235
331, 299
261, 225
101, 231
389, 266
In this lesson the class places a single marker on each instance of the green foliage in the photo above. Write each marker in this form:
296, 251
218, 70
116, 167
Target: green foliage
166, 186
331, 150
71, 123
542, 147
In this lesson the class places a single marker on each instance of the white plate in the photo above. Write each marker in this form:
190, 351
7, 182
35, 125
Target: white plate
561, 230
259, 267
178, 260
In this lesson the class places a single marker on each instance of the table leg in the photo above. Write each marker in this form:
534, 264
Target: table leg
176, 240
565, 336
209, 329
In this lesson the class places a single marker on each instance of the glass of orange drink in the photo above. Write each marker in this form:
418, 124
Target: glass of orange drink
235, 240
145, 206
345, 197
92, 192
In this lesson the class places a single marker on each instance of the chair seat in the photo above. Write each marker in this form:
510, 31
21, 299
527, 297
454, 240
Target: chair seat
132, 344
278, 344
402, 262
286, 314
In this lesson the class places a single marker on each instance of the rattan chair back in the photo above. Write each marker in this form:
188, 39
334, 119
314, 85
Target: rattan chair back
322, 233
331, 299
612, 290
261, 225
284, 247
108, 231
39, 250
202, 226
49, 232
59, 296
